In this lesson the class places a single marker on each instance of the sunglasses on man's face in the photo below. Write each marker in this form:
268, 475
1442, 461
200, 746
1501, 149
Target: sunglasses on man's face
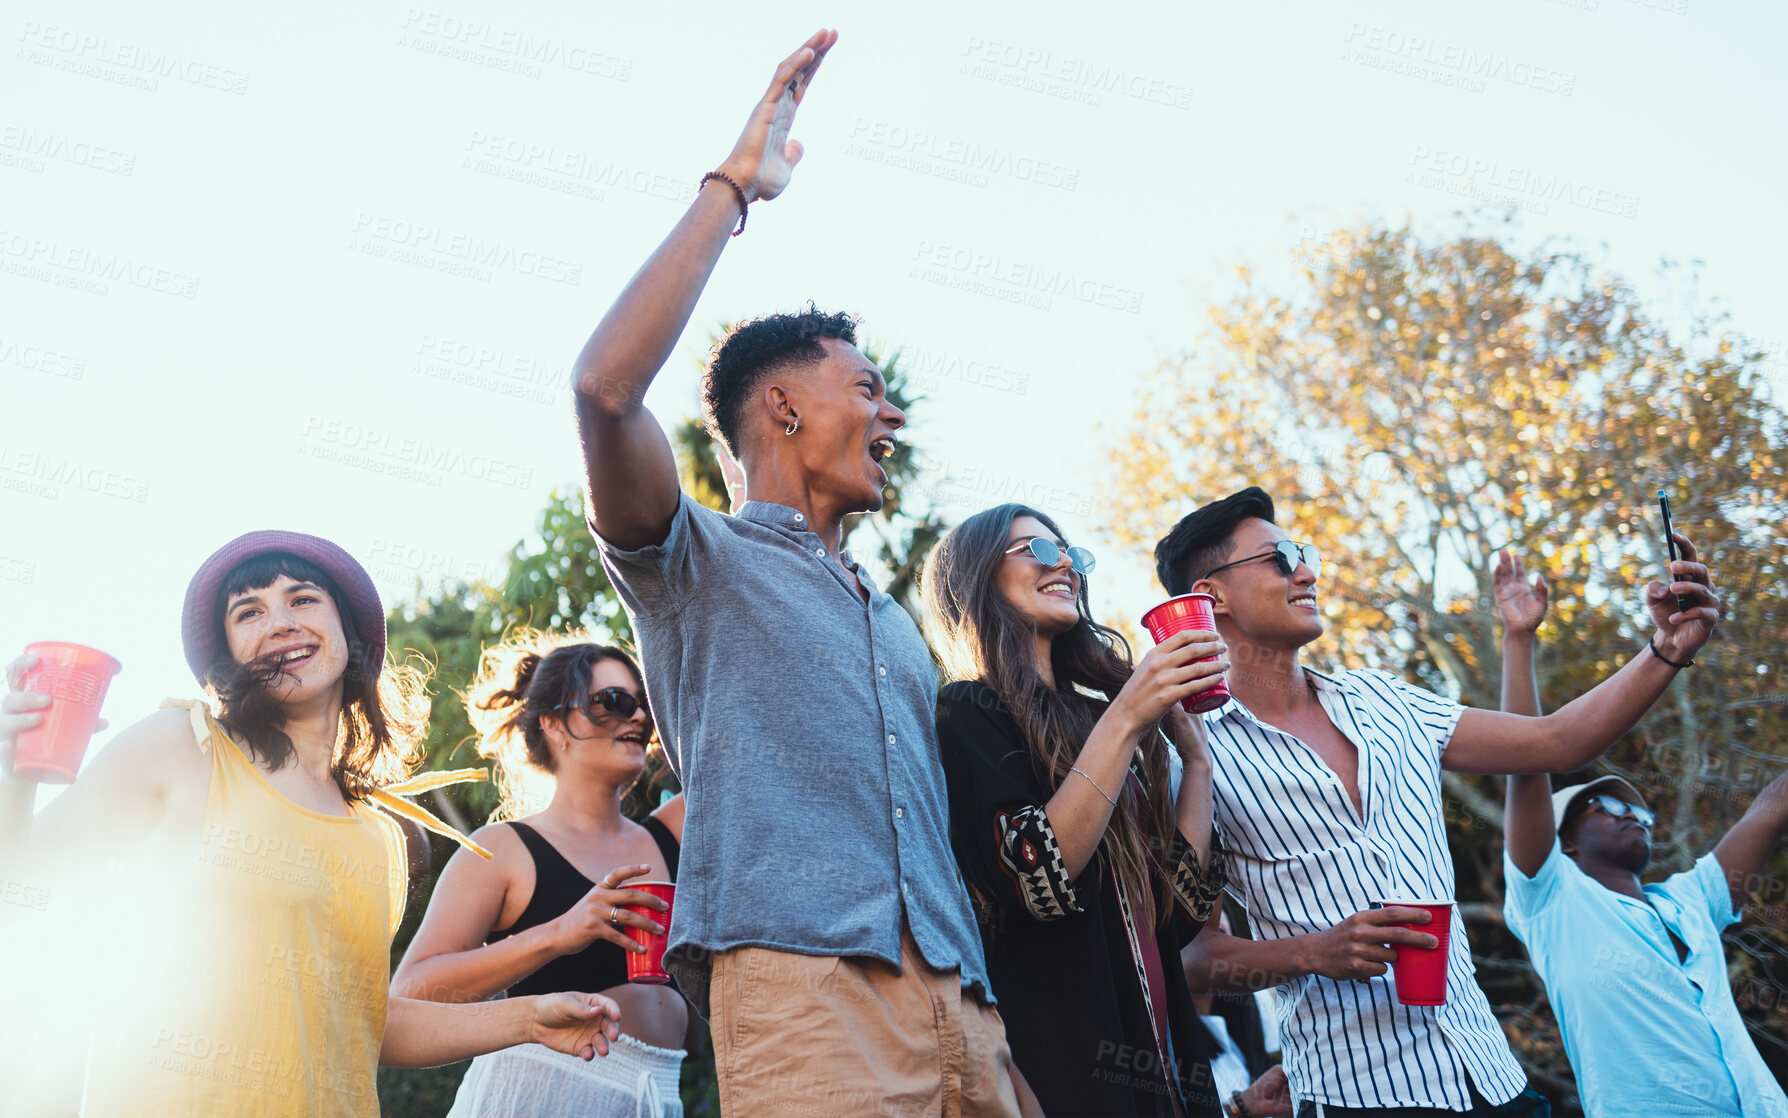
1049, 553
1285, 555
1620, 809
619, 702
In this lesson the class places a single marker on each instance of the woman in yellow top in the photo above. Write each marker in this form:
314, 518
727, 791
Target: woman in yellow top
238, 953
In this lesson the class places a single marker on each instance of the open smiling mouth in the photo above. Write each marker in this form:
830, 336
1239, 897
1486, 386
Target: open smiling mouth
292, 660
879, 451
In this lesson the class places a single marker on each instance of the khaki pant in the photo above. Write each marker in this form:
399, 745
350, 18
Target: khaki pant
824, 1036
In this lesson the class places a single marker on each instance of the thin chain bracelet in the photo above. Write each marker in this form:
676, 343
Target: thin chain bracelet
1094, 783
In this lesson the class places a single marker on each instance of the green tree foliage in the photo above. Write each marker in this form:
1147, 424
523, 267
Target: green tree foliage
1417, 402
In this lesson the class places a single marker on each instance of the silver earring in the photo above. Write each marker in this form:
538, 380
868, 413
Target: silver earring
793, 427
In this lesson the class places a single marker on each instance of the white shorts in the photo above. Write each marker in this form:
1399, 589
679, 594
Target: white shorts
634, 1080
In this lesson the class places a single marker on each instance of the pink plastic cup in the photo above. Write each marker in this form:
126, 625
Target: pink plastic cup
1176, 615
648, 968
1419, 975
75, 678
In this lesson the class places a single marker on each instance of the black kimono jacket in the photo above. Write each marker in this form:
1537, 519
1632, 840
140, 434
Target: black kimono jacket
1065, 956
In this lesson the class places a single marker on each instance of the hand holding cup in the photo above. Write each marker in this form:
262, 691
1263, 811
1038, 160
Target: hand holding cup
607, 912
1178, 670
1191, 613
51, 710
1364, 945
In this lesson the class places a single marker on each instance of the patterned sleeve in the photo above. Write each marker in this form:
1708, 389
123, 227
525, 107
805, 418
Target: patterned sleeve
1197, 890
1029, 853
1000, 833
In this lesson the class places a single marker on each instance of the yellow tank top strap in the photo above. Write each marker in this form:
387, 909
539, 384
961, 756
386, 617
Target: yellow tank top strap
203, 725
386, 798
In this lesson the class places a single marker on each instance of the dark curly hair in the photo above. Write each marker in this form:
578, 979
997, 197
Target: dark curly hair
752, 350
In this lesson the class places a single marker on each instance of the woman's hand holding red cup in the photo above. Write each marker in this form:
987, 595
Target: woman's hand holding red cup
22, 710
605, 913
44, 736
1181, 666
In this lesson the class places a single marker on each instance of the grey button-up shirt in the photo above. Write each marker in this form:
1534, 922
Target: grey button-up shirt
802, 722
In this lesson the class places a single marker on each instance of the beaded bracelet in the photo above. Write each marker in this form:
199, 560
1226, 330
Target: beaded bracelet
737, 190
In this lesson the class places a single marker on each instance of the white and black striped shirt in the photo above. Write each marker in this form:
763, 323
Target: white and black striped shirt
1304, 861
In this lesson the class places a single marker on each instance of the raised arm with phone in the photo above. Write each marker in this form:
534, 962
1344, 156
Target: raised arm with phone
1582, 730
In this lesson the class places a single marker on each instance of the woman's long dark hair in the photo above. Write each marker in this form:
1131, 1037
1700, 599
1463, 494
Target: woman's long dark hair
384, 714
529, 676
980, 635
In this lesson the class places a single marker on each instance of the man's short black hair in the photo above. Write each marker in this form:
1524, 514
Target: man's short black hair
1201, 540
752, 350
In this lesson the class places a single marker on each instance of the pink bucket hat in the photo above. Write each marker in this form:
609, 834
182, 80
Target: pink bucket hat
201, 620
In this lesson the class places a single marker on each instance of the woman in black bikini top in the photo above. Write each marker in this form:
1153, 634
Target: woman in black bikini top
559, 885
558, 714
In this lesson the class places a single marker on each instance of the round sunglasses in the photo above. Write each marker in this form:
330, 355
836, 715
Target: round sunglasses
1049, 553
1285, 555
617, 701
1620, 809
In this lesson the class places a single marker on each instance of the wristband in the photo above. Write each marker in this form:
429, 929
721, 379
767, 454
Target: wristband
1654, 651
738, 192
1235, 1107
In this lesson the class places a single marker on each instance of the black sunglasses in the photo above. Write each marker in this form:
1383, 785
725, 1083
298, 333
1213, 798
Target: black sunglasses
1285, 555
1049, 553
617, 701
1620, 809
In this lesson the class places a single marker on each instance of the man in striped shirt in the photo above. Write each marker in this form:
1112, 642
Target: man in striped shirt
1328, 793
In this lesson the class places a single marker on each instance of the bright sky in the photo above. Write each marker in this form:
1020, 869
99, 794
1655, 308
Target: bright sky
325, 267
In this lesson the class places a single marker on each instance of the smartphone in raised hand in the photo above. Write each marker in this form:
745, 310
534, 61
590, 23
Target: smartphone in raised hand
1682, 603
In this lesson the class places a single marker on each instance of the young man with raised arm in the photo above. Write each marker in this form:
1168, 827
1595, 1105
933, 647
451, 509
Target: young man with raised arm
1636, 973
1328, 793
820, 924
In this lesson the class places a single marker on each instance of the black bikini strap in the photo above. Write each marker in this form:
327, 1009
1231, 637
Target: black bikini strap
667, 842
544, 851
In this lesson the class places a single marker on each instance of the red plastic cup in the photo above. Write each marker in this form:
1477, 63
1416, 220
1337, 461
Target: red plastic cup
1176, 615
75, 678
1420, 975
647, 968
